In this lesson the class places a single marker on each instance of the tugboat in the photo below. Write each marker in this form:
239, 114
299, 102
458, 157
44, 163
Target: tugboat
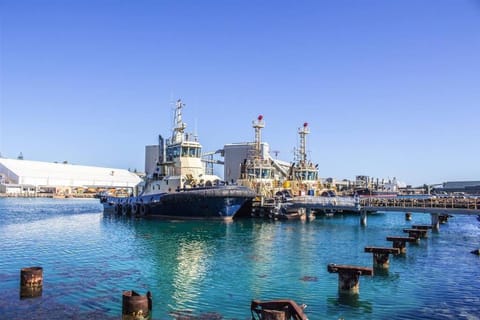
180, 188
269, 179
303, 176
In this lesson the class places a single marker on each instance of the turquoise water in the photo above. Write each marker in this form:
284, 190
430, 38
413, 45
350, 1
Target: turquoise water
212, 270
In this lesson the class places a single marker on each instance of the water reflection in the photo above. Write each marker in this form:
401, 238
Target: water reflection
350, 300
191, 269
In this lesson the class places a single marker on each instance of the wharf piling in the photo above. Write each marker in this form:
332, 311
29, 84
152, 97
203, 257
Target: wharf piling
31, 282
136, 306
277, 310
422, 226
443, 218
363, 218
349, 276
416, 233
401, 242
381, 256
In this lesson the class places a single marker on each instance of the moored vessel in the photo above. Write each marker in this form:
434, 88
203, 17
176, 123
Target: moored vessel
180, 187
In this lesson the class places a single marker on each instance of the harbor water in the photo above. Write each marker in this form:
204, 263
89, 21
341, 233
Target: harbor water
212, 270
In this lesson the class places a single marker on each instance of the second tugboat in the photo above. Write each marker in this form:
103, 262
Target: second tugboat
180, 188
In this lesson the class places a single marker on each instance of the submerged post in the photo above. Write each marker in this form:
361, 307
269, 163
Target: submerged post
136, 306
349, 277
381, 256
277, 310
31, 282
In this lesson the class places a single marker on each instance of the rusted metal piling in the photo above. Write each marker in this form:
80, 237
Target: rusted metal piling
422, 226
136, 306
31, 282
381, 256
443, 218
400, 242
349, 276
416, 233
277, 310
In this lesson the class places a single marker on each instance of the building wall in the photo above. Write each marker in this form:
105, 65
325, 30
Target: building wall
235, 154
152, 154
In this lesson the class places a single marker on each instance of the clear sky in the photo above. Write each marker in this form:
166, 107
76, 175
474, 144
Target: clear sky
389, 88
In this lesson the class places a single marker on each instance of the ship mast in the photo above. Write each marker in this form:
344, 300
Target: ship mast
258, 125
179, 125
303, 142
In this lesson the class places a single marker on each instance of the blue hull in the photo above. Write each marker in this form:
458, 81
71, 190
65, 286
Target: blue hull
221, 202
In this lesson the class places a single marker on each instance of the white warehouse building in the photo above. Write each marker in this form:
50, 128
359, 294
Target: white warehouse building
25, 176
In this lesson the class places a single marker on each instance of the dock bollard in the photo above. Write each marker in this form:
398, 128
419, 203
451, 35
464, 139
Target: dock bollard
136, 306
31, 282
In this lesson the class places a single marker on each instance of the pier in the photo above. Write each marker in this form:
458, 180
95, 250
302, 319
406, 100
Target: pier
440, 209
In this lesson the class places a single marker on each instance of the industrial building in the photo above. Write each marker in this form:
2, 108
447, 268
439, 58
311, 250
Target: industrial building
35, 178
468, 187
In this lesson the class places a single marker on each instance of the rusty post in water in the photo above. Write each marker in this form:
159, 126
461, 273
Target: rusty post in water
349, 277
136, 306
416, 233
277, 310
381, 255
443, 218
31, 282
400, 242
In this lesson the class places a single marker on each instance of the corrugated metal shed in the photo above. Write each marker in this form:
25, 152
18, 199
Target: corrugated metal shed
26, 172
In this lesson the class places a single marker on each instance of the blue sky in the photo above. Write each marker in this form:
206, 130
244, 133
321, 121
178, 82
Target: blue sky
389, 88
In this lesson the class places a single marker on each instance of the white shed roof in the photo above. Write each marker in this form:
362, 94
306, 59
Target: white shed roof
61, 174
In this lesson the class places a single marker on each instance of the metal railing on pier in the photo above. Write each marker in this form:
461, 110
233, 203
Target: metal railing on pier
325, 201
424, 203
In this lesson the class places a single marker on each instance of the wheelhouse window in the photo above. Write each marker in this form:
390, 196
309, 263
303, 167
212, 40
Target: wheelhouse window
192, 152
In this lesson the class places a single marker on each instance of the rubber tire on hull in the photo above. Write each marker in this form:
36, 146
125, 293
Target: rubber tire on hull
135, 208
126, 209
144, 209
